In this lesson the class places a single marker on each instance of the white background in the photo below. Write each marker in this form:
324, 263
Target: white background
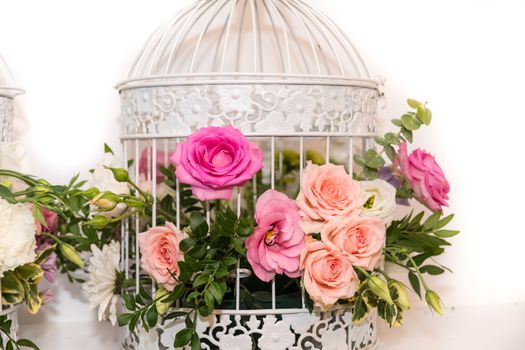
465, 57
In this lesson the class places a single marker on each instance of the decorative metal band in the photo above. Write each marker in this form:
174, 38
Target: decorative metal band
319, 330
6, 119
258, 108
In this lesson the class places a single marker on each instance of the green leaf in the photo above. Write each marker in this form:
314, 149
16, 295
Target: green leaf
183, 337
373, 159
199, 227
397, 122
446, 233
186, 244
444, 222
175, 314
152, 316
414, 282
124, 319
431, 221
358, 160
392, 138
238, 245
107, 149
6, 194
195, 342
209, 299
431, 269
200, 280
185, 271
37, 213
216, 291
360, 310
390, 152
424, 115
381, 141
414, 103
410, 122
198, 251
9, 345
409, 136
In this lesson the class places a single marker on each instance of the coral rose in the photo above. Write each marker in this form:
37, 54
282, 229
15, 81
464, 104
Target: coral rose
362, 239
277, 242
425, 176
161, 254
214, 160
328, 273
327, 193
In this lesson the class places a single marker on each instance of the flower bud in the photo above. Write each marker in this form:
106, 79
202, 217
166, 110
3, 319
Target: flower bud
91, 192
98, 222
379, 288
161, 305
71, 254
121, 175
434, 301
402, 295
105, 200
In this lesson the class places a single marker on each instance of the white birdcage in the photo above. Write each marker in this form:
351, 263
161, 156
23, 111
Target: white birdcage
8, 91
288, 77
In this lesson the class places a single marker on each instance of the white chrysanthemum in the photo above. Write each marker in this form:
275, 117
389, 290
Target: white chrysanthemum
379, 199
103, 268
17, 236
104, 180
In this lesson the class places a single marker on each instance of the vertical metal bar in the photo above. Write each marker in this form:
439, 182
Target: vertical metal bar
177, 199
272, 175
153, 193
301, 166
124, 225
351, 156
327, 155
238, 272
137, 220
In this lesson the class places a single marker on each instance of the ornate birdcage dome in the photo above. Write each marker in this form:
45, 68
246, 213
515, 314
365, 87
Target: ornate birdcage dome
262, 65
289, 78
8, 90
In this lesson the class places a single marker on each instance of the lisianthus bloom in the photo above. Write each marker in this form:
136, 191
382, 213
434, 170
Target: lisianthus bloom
51, 219
328, 273
49, 265
425, 176
277, 242
216, 159
17, 236
145, 162
161, 254
361, 239
378, 199
327, 193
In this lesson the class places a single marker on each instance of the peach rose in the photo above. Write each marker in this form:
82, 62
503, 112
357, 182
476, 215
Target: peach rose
327, 193
362, 239
160, 251
328, 273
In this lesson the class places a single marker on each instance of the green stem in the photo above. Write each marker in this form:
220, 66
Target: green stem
364, 272
19, 176
166, 214
419, 273
145, 195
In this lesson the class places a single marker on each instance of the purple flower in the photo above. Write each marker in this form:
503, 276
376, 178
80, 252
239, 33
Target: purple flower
49, 266
387, 175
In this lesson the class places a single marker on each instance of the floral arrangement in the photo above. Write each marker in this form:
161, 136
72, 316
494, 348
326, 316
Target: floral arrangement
319, 228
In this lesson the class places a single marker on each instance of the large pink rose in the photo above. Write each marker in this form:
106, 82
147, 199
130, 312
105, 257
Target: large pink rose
213, 160
328, 273
362, 239
160, 251
327, 193
277, 242
425, 176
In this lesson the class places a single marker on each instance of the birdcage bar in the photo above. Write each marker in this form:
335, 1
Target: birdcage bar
136, 167
238, 268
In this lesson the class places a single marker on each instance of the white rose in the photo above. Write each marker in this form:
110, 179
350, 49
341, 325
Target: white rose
104, 180
379, 199
162, 189
17, 236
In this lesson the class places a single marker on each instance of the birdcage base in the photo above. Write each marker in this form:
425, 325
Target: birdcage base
11, 313
293, 330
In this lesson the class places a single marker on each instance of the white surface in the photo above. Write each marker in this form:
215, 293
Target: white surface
465, 57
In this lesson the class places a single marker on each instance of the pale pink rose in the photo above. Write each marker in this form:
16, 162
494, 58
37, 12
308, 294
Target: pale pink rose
162, 189
277, 242
328, 273
327, 193
362, 239
214, 160
425, 176
160, 251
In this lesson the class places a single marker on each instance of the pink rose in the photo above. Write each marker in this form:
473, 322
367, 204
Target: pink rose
425, 176
328, 273
213, 160
362, 239
160, 251
277, 242
327, 193
144, 164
